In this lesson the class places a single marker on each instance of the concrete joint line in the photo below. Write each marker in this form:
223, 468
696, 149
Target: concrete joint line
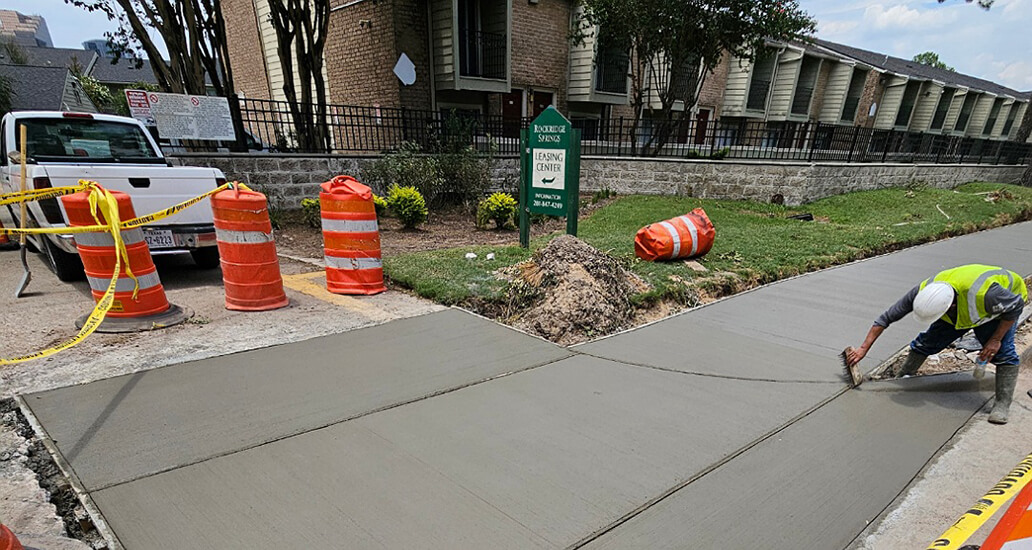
66, 470
713, 467
703, 374
317, 428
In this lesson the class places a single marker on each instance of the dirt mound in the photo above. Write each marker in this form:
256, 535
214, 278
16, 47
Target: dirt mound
570, 292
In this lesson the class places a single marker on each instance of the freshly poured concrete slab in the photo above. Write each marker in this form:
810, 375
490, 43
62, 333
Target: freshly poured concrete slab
541, 458
817, 483
122, 428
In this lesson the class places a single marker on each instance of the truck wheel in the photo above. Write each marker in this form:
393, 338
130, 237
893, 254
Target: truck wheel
67, 267
207, 257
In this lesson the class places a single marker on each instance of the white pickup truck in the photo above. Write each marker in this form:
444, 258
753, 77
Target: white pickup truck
121, 155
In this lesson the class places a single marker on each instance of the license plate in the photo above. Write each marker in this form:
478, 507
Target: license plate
159, 239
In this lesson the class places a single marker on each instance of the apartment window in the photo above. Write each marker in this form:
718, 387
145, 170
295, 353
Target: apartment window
1011, 117
906, 108
759, 85
611, 66
804, 88
994, 114
942, 108
965, 112
856, 90
482, 39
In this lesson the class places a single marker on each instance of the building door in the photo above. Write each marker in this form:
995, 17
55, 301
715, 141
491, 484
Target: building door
512, 113
541, 101
701, 126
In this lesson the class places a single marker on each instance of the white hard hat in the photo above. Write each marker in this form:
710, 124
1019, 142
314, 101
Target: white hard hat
933, 301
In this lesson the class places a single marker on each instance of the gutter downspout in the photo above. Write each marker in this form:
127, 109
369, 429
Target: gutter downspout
773, 80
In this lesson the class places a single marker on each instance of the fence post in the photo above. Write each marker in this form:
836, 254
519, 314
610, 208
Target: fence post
999, 151
619, 142
885, 149
240, 143
938, 151
814, 129
852, 145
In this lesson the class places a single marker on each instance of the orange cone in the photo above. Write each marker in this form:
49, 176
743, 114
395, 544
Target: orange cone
250, 267
351, 237
8, 541
149, 308
5, 242
1015, 527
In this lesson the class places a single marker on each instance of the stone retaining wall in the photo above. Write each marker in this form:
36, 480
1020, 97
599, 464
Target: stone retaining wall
289, 178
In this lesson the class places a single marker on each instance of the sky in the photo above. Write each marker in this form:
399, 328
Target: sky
987, 44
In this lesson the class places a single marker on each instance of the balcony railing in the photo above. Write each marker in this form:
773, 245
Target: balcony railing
758, 95
483, 55
849, 110
801, 101
611, 74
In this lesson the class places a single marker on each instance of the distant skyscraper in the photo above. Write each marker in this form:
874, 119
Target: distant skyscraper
24, 30
100, 45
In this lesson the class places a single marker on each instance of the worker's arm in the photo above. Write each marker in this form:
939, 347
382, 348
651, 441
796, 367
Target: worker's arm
860, 352
896, 312
991, 347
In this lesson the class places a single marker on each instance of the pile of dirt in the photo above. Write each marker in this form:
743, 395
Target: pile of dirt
570, 292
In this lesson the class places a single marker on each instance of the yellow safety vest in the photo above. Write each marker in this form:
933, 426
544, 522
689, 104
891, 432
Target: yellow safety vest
971, 282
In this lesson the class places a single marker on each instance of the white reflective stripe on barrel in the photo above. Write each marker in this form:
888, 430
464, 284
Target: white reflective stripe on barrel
675, 236
1022, 544
350, 226
242, 237
129, 236
353, 263
125, 284
694, 231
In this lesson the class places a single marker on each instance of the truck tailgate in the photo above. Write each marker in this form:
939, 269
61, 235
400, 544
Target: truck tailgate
152, 188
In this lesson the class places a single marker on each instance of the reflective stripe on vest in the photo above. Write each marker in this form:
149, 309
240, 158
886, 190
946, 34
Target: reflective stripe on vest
693, 231
243, 237
125, 284
353, 263
350, 226
129, 236
674, 236
971, 282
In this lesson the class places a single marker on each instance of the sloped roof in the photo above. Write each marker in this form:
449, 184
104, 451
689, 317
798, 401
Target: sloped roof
122, 71
919, 71
36, 88
50, 57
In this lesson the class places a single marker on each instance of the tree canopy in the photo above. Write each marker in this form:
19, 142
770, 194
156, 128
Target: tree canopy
932, 59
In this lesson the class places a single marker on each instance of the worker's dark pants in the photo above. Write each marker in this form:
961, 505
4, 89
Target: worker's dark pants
941, 334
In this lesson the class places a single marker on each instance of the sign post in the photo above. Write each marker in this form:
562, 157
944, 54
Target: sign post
549, 171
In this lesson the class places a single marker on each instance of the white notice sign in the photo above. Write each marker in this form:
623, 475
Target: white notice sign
181, 116
549, 170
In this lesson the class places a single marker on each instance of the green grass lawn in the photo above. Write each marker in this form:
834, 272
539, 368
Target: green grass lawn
755, 242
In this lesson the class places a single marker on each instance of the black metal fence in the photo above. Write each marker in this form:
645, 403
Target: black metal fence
265, 125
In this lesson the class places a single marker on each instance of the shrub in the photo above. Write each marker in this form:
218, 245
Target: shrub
407, 167
466, 176
408, 205
500, 208
311, 213
381, 206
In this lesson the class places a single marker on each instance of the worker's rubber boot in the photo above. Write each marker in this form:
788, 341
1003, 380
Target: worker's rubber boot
1006, 379
912, 364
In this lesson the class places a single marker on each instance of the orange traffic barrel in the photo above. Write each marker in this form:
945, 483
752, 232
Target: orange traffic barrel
351, 237
149, 308
5, 241
687, 236
247, 250
8, 541
1014, 531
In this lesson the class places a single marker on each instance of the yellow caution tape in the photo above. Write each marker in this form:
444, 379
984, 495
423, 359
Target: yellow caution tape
974, 518
102, 200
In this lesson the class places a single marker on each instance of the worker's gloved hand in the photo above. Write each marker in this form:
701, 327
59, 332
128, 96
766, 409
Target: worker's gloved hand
855, 356
989, 350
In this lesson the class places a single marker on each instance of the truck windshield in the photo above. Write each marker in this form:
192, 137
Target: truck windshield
72, 140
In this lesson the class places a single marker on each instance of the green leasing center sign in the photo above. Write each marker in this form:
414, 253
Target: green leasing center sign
550, 171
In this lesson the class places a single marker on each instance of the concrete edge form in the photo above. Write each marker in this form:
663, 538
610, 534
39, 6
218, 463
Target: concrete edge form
66, 470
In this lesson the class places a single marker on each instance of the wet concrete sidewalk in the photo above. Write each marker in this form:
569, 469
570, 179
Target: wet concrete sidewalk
725, 427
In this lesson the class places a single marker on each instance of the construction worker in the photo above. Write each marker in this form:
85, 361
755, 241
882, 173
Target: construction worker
984, 298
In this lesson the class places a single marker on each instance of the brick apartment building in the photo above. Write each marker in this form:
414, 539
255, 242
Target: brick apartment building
514, 58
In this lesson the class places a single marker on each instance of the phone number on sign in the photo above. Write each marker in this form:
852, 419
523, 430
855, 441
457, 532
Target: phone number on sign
549, 204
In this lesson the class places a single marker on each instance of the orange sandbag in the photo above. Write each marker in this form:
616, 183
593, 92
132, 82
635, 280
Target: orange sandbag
685, 236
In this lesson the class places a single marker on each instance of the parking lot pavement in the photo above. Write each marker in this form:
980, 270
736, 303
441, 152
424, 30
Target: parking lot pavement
45, 316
